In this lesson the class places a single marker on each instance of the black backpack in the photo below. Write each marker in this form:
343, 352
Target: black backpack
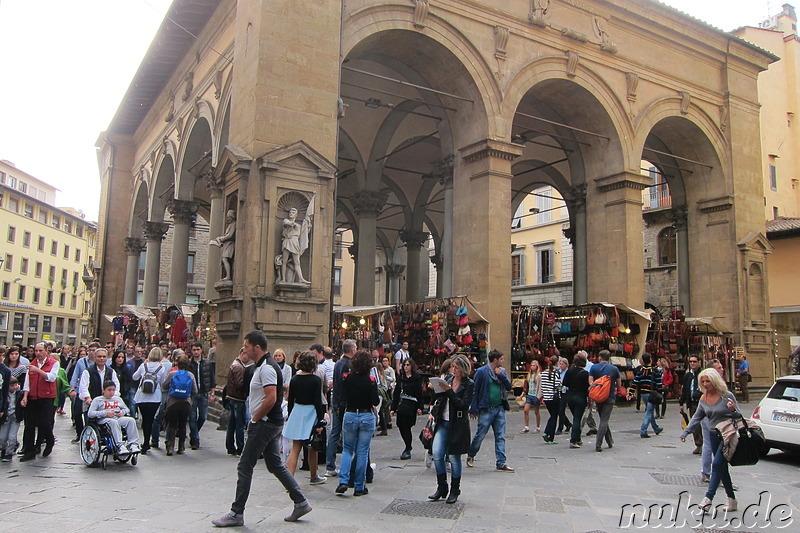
150, 379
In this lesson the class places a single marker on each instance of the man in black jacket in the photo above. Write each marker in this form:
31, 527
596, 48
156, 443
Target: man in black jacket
690, 396
205, 375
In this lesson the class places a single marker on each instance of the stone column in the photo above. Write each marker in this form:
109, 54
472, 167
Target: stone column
616, 256
482, 236
680, 222
393, 273
367, 205
577, 205
216, 227
414, 241
181, 211
444, 269
438, 263
154, 233
133, 248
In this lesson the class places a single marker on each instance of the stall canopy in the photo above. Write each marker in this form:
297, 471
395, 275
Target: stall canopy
142, 313
642, 318
362, 311
709, 322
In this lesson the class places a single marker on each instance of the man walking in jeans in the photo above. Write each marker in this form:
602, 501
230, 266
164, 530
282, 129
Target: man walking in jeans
337, 406
604, 409
489, 406
263, 435
204, 374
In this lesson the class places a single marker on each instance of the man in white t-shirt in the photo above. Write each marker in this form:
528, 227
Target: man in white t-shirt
400, 357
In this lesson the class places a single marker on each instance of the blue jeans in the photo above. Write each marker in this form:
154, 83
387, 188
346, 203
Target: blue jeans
719, 468
708, 451
234, 437
333, 438
577, 404
263, 437
197, 416
162, 409
130, 402
439, 451
496, 418
358, 429
649, 415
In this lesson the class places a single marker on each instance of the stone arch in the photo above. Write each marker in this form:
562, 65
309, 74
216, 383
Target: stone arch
162, 187
141, 200
199, 144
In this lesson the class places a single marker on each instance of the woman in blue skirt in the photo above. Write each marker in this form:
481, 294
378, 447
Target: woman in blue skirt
306, 413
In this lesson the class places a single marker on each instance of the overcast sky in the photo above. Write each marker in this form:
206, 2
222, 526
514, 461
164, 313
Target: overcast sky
67, 64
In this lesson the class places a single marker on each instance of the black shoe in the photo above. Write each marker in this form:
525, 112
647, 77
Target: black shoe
361, 492
48, 449
455, 490
351, 484
645, 436
305, 467
341, 489
598, 448
658, 431
27, 457
405, 455
591, 432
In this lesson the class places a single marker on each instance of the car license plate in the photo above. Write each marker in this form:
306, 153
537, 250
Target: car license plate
786, 417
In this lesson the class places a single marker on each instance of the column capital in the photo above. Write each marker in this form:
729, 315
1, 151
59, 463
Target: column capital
414, 239
442, 171
394, 270
437, 262
353, 251
214, 184
133, 245
154, 231
576, 197
623, 180
680, 218
569, 232
368, 203
182, 210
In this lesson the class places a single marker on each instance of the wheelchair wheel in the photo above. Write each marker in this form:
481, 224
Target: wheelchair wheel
134, 459
90, 443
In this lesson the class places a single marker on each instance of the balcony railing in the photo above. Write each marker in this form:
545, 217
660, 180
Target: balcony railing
656, 197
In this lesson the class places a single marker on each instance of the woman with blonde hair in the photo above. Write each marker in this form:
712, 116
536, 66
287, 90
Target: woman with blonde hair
151, 376
717, 404
532, 392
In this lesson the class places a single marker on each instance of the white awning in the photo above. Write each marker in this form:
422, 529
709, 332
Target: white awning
142, 313
361, 311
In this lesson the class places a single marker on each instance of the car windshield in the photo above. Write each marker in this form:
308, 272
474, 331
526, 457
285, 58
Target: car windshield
785, 390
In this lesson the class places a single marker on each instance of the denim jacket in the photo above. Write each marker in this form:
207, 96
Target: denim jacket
480, 400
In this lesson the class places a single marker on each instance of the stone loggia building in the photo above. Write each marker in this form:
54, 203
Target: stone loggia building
409, 119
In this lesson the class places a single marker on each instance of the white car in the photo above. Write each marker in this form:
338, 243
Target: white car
778, 414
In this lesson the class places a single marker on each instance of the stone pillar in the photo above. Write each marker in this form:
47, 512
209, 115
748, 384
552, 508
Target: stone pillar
393, 273
367, 205
216, 227
577, 205
680, 222
615, 232
181, 211
438, 263
133, 248
414, 241
154, 233
482, 240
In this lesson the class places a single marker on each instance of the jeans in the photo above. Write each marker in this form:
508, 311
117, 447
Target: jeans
234, 437
197, 416
8, 435
604, 411
649, 415
333, 437
577, 404
148, 411
357, 429
708, 450
162, 409
263, 437
552, 408
496, 418
719, 468
563, 421
588, 419
130, 402
439, 451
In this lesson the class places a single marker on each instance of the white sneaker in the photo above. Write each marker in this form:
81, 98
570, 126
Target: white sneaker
123, 449
134, 448
331, 473
733, 505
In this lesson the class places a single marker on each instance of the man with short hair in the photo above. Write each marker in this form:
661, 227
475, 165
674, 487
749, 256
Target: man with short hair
133, 364
76, 403
489, 406
263, 435
236, 396
327, 365
38, 399
204, 374
604, 409
690, 397
400, 357
588, 419
92, 379
646, 381
337, 405
743, 376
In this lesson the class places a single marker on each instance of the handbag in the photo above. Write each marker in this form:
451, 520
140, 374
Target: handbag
318, 441
751, 445
426, 435
655, 397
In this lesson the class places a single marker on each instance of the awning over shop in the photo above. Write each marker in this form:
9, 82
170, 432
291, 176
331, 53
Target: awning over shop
711, 323
142, 313
361, 311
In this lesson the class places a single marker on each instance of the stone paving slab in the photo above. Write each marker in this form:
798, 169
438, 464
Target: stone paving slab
555, 488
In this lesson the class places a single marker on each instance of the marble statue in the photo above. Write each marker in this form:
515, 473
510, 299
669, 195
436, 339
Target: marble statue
227, 241
295, 240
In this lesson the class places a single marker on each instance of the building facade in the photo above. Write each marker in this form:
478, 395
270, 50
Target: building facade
416, 122
47, 260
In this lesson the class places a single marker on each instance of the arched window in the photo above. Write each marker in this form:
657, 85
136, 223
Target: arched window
667, 248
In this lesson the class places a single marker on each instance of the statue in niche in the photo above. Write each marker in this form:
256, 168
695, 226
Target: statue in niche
227, 241
294, 243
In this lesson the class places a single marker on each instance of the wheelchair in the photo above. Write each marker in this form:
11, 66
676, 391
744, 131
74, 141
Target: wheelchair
97, 444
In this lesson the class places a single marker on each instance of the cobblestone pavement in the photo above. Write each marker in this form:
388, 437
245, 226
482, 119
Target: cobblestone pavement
554, 488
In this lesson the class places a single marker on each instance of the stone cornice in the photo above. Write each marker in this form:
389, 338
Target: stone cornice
623, 180
713, 205
491, 148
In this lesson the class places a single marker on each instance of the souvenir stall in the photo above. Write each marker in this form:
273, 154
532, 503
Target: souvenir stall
541, 332
132, 322
177, 324
434, 329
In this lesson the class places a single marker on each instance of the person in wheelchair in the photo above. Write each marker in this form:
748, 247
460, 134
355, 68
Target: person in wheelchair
110, 411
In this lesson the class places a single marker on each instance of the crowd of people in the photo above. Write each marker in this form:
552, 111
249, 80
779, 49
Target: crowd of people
319, 405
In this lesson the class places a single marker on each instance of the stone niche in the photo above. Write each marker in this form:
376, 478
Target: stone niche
294, 308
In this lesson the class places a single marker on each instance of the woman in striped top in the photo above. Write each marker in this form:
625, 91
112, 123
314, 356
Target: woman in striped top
551, 396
